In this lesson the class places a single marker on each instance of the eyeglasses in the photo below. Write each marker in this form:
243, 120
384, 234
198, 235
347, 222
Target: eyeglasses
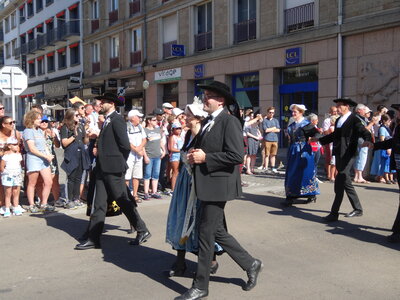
2, 108
271, 112
8, 123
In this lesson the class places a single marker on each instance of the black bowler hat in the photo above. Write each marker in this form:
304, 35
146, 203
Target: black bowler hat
395, 106
158, 111
111, 97
221, 89
347, 101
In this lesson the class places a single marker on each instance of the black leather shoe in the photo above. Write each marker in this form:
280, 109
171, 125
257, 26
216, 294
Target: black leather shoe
141, 238
193, 294
252, 273
331, 218
87, 245
354, 213
288, 202
311, 199
177, 271
214, 268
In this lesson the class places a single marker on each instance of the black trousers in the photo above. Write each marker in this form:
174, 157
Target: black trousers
74, 183
396, 224
113, 186
212, 229
343, 183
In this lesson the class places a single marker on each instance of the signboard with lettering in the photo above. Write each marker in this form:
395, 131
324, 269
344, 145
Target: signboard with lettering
199, 71
112, 83
167, 75
178, 50
293, 56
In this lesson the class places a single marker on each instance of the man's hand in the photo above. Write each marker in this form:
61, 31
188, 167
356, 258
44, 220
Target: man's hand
196, 156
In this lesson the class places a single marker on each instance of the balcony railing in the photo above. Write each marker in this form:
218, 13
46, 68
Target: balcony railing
95, 67
203, 41
167, 49
245, 31
95, 25
113, 16
134, 7
114, 63
299, 17
40, 41
32, 46
1, 36
51, 36
136, 57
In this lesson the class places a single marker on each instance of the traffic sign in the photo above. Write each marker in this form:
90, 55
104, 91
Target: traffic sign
13, 77
13, 81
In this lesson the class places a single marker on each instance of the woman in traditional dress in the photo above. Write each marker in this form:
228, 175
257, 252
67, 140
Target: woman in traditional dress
300, 179
182, 231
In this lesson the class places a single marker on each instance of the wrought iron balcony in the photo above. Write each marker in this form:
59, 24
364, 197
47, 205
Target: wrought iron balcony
167, 49
113, 16
245, 31
95, 68
114, 63
299, 17
136, 57
32, 47
203, 41
134, 7
95, 25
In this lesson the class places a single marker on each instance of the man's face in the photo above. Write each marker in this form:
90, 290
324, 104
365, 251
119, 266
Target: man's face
167, 110
105, 107
333, 111
135, 120
270, 114
159, 118
361, 112
212, 101
88, 110
342, 108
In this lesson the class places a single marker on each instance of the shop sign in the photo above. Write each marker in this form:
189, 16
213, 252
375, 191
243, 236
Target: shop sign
56, 88
96, 90
167, 75
178, 50
293, 56
199, 71
112, 83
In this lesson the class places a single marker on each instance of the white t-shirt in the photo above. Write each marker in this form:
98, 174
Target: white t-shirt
13, 163
136, 135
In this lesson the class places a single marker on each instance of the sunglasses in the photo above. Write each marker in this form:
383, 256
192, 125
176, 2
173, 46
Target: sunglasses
1, 108
8, 123
45, 121
76, 115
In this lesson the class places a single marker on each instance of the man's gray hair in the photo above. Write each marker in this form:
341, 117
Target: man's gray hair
360, 106
312, 117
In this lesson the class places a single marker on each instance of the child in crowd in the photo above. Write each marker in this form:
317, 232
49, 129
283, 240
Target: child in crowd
11, 176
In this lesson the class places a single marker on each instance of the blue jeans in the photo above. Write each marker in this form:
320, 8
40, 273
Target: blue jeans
152, 169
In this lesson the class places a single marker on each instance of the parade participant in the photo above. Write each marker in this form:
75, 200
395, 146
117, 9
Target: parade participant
300, 177
216, 155
112, 152
348, 129
11, 177
394, 144
38, 160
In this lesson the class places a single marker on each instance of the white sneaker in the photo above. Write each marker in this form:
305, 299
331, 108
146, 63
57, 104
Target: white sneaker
319, 181
2, 210
260, 168
17, 211
274, 170
7, 213
19, 207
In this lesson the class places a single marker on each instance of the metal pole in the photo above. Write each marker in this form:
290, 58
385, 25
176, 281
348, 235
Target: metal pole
12, 93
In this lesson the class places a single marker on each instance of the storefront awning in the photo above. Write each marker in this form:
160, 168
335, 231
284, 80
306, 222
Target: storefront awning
243, 100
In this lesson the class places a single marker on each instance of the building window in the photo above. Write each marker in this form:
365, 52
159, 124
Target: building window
29, 7
170, 34
245, 88
95, 58
203, 38
134, 7
13, 47
114, 53
74, 54
6, 25
39, 5
245, 27
298, 15
40, 65
62, 58
113, 12
31, 69
95, 16
113, 5
136, 53
21, 11
171, 94
48, 2
13, 20
50, 62
8, 52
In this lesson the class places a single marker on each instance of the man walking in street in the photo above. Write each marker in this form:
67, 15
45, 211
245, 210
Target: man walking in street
216, 155
270, 130
113, 149
348, 130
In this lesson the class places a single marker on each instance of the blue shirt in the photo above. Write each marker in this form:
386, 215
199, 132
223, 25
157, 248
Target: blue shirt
270, 136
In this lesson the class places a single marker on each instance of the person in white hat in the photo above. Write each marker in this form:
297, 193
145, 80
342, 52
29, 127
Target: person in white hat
167, 107
137, 139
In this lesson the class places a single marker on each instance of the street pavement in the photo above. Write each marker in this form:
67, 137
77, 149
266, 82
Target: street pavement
303, 257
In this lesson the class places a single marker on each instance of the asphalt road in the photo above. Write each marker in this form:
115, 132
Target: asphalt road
303, 257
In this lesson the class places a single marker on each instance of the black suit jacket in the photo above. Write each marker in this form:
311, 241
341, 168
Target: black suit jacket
345, 139
218, 179
113, 145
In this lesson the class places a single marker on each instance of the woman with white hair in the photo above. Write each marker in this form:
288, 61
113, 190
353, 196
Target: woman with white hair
300, 177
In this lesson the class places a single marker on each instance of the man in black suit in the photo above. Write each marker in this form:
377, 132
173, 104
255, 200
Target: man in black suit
348, 129
216, 156
113, 149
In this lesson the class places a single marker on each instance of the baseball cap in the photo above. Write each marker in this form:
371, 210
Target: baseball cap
134, 112
158, 111
167, 105
176, 125
177, 111
45, 118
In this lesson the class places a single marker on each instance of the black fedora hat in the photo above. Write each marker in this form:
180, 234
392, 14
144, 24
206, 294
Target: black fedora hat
395, 106
221, 89
347, 101
111, 97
